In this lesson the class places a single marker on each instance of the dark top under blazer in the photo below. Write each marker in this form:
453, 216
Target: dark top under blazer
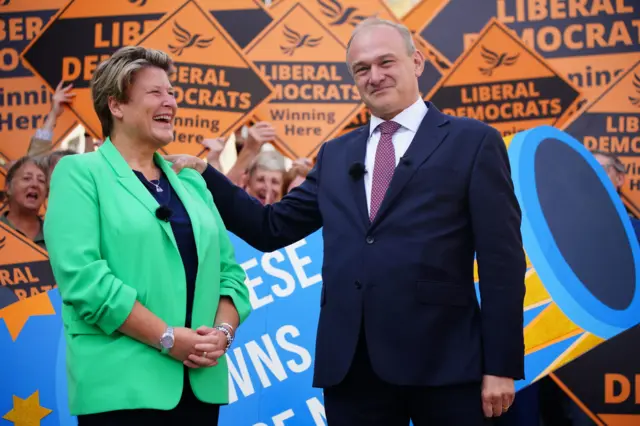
407, 278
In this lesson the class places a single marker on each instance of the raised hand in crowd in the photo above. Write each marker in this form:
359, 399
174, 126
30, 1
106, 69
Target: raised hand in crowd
41, 142
259, 134
215, 147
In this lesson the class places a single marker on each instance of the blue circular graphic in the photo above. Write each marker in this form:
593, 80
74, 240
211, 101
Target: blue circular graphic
572, 282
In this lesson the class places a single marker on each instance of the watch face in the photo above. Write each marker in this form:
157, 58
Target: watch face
166, 341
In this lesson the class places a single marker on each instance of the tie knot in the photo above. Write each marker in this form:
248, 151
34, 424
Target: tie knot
388, 127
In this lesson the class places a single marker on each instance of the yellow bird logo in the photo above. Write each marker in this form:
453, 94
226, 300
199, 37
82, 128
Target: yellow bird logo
187, 40
333, 10
636, 83
296, 41
495, 60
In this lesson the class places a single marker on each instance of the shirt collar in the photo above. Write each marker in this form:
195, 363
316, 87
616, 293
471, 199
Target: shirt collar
410, 118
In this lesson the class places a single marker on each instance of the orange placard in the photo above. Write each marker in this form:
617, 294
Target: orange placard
82, 35
216, 87
611, 123
501, 81
589, 42
24, 267
3, 182
342, 16
86, 32
420, 13
242, 19
339, 16
24, 100
314, 93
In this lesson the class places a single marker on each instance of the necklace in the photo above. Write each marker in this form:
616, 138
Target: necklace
157, 185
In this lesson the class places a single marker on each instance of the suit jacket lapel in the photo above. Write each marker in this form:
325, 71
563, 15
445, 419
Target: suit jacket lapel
132, 184
429, 136
356, 151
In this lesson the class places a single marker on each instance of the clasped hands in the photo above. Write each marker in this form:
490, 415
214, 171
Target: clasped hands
198, 348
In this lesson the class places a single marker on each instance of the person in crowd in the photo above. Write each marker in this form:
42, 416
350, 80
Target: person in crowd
296, 174
50, 160
404, 202
26, 189
265, 176
42, 142
152, 294
249, 142
616, 171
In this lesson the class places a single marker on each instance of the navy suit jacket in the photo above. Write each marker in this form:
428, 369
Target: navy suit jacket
407, 278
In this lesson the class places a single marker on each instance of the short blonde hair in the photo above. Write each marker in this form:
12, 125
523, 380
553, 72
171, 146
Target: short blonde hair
272, 161
114, 77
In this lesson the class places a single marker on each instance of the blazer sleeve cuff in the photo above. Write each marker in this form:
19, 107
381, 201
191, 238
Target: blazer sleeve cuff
242, 305
117, 309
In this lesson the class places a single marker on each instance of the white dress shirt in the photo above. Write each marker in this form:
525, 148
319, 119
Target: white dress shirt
409, 121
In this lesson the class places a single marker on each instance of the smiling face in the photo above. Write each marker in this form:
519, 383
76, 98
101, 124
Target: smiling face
149, 111
28, 188
265, 185
385, 73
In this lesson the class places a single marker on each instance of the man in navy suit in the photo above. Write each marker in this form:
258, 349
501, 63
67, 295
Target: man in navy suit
404, 203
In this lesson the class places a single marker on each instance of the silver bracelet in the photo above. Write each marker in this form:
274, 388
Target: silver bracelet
228, 326
227, 333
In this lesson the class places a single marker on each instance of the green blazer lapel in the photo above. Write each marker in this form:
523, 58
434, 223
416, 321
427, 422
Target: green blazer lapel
132, 184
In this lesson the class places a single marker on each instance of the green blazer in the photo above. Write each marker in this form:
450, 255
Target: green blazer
107, 250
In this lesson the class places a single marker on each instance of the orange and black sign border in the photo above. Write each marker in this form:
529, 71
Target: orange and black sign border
495, 22
25, 240
282, 146
575, 399
584, 110
28, 65
37, 75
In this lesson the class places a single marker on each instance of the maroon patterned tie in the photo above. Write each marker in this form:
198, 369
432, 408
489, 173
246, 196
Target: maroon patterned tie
384, 166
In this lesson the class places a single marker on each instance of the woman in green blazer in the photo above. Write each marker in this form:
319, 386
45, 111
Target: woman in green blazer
151, 291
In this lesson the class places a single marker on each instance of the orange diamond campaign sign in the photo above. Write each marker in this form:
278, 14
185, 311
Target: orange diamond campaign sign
341, 17
611, 123
588, 41
216, 86
86, 32
421, 12
83, 34
24, 100
315, 96
243, 19
24, 267
501, 81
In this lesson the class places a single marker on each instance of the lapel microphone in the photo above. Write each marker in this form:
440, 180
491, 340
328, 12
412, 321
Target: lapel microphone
357, 171
164, 213
405, 161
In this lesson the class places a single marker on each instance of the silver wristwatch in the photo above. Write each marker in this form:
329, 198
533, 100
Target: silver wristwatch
167, 340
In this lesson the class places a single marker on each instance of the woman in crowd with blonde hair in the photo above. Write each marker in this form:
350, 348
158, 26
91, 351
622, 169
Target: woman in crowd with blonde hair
152, 293
26, 188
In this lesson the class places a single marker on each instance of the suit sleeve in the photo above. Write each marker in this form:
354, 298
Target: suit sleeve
496, 219
72, 233
267, 228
